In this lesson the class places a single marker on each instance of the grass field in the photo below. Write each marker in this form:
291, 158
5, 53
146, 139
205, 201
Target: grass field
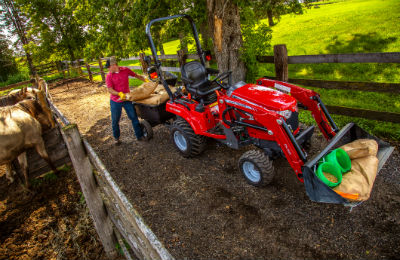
354, 26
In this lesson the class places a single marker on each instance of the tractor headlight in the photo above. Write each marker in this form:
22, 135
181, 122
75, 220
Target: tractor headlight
285, 113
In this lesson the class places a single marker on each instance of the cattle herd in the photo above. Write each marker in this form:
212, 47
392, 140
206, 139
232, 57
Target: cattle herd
24, 116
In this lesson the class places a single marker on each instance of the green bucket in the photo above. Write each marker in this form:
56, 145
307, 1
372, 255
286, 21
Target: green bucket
328, 167
340, 158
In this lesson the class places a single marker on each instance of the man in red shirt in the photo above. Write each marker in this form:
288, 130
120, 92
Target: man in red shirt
117, 81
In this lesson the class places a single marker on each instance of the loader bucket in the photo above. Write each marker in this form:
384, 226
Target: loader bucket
319, 192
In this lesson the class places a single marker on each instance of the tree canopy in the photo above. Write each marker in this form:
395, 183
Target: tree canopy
7, 62
71, 29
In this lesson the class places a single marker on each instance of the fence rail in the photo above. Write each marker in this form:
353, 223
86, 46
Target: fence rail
348, 85
281, 61
18, 84
386, 57
365, 113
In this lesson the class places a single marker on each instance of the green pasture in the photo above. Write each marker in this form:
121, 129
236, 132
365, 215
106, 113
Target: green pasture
354, 26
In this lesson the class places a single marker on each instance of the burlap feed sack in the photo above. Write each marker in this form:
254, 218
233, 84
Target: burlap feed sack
142, 92
361, 148
159, 88
357, 183
159, 96
154, 99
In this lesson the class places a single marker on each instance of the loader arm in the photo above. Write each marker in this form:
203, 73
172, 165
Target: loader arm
308, 99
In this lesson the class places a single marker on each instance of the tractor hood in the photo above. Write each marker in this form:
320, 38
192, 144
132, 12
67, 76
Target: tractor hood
266, 97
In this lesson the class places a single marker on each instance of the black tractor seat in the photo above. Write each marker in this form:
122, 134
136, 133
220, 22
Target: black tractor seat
195, 78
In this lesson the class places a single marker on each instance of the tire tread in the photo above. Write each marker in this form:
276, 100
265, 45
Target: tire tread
198, 142
263, 162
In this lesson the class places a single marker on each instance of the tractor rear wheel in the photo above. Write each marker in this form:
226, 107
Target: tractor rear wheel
256, 167
146, 129
185, 140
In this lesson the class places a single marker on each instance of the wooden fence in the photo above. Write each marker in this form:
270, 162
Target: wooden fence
114, 217
281, 61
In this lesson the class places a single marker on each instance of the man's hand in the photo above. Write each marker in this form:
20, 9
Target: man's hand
142, 78
122, 96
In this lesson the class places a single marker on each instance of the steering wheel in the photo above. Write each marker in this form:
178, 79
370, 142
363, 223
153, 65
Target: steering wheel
221, 77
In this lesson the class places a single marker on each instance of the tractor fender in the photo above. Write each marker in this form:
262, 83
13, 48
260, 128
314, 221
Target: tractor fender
192, 117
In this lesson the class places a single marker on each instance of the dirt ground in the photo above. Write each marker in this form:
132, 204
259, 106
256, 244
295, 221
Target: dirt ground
52, 222
203, 208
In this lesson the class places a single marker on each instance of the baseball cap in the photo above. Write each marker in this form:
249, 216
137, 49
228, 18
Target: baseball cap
111, 61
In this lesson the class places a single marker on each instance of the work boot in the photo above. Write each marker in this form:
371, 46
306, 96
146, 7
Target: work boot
117, 142
142, 139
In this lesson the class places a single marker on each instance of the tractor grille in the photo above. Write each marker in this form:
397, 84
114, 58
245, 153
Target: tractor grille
293, 121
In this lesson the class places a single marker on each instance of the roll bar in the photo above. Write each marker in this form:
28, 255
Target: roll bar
157, 62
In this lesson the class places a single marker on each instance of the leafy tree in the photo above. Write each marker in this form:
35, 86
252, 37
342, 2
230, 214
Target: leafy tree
7, 63
256, 42
56, 32
115, 27
12, 18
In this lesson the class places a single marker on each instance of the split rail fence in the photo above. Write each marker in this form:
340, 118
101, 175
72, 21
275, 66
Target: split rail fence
281, 61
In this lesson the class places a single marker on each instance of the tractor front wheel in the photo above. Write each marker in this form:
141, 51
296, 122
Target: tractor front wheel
256, 167
185, 140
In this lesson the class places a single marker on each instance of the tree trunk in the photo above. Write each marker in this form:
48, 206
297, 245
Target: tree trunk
161, 47
182, 41
270, 18
224, 22
13, 14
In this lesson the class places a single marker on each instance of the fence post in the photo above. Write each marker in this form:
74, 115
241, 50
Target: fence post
89, 72
84, 171
143, 63
57, 64
103, 76
67, 63
78, 64
36, 77
281, 62
181, 57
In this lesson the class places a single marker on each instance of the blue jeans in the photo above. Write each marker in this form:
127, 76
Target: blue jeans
116, 109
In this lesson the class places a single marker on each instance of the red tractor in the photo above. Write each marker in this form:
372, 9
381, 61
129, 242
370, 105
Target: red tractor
264, 114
